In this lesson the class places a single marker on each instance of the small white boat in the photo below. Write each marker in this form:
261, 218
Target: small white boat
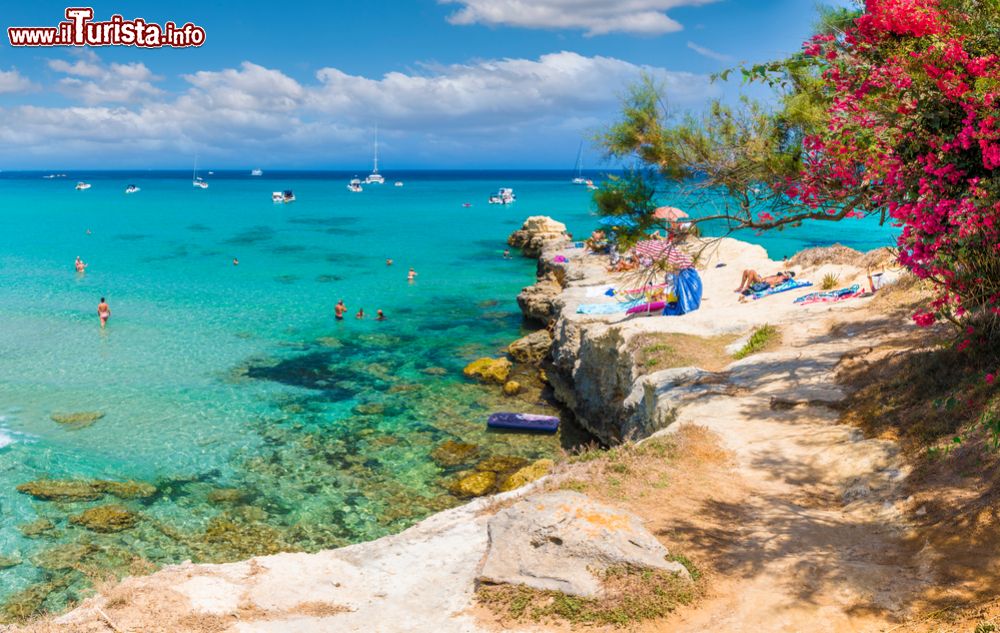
504, 196
196, 180
132, 189
354, 186
590, 184
82, 186
256, 172
579, 180
375, 178
399, 183
49, 177
283, 196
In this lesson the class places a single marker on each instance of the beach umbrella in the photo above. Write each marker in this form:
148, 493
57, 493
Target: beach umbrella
662, 250
669, 213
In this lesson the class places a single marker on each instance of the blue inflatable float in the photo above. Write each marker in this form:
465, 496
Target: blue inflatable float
523, 422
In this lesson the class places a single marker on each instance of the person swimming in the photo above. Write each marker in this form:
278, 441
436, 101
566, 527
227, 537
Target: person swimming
506, 253
236, 261
360, 314
388, 261
411, 276
103, 312
339, 310
80, 265
379, 315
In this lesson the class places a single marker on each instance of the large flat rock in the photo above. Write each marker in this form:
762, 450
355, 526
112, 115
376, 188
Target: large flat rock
563, 541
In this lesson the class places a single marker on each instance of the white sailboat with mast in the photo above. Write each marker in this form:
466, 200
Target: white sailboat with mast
196, 180
375, 178
579, 180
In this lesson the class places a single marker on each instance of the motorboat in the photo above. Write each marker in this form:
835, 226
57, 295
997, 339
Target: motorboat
132, 189
283, 196
375, 178
399, 183
198, 182
590, 184
256, 172
505, 195
82, 186
354, 186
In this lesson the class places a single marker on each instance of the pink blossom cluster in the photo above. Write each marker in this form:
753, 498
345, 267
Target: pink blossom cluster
913, 118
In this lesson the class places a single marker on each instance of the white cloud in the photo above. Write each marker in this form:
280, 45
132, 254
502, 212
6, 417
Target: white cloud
709, 53
484, 108
595, 17
94, 83
13, 81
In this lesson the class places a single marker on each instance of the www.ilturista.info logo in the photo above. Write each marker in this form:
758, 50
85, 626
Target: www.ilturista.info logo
79, 29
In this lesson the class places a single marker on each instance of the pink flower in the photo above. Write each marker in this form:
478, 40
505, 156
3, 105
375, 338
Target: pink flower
990, 378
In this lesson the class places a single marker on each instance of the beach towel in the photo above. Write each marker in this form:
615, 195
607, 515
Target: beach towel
606, 308
688, 289
600, 291
791, 284
831, 295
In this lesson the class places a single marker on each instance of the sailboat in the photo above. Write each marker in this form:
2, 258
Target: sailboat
196, 180
579, 180
375, 178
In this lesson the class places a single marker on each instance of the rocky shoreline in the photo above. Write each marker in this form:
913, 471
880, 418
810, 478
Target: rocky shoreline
427, 575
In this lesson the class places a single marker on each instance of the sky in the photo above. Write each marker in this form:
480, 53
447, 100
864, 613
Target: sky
303, 85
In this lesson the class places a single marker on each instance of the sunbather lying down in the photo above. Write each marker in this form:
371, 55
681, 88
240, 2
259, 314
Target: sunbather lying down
753, 282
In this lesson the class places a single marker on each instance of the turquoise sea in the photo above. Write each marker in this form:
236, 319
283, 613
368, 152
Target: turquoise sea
262, 422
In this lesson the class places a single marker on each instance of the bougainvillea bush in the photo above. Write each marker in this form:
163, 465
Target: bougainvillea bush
912, 94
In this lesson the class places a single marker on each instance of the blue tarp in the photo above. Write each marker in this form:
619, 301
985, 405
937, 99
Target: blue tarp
687, 288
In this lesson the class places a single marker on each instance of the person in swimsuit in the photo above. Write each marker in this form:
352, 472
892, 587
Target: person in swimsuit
339, 310
411, 276
388, 262
236, 261
753, 282
80, 265
379, 315
103, 312
360, 314
506, 253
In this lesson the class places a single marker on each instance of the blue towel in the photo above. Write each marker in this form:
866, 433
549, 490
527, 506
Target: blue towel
606, 308
791, 284
688, 289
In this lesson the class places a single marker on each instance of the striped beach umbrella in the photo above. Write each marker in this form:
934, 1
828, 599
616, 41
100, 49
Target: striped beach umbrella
663, 250
669, 213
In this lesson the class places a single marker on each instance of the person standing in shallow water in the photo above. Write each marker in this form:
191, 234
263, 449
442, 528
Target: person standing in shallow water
360, 314
411, 276
339, 310
379, 315
80, 266
103, 312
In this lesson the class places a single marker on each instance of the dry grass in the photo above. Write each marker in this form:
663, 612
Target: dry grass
841, 255
653, 352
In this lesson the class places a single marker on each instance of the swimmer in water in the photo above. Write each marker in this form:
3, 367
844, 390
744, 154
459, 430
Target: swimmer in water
339, 310
506, 253
388, 261
80, 265
360, 314
379, 315
103, 312
411, 276
236, 261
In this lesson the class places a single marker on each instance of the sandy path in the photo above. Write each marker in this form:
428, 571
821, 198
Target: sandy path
818, 544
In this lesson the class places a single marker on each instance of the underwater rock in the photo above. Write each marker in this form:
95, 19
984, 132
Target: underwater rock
511, 388
226, 495
126, 489
79, 419
232, 540
501, 464
329, 341
28, 603
528, 474
475, 485
435, 371
370, 408
107, 518
10, 561
68, 556
452, 453
37, 527
61, 490
404, 388
532, 348
492, 370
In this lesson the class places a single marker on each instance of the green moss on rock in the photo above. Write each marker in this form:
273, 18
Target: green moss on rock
490, 370
501, 464
61, 490
36, 528
527, 474
476, 484
126, 489
79, 419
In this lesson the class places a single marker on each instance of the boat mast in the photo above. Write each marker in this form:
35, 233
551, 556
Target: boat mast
579, 161
375, 171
